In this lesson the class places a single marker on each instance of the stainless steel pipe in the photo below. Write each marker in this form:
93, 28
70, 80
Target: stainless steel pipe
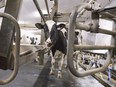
87, 27
54, 9
47, 8
16, 49
38, 8
89, 47
77, 12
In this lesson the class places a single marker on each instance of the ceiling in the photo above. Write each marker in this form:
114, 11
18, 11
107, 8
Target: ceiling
29, 14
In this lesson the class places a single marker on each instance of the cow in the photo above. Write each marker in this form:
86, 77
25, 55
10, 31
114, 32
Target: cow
55, 40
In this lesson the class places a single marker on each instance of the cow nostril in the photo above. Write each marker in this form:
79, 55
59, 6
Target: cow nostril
49, 44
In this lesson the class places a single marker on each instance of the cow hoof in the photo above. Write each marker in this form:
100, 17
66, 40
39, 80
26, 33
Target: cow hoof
51, 73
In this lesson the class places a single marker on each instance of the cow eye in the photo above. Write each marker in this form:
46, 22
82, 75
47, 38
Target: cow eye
46, 28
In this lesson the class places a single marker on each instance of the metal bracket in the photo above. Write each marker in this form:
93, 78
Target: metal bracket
95, 5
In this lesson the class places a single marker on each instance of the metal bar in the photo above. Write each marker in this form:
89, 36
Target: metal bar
94, 25
25, 53
89, 47
82, 26
13, 7
47, 8
83, 8
64, 17
38, 8
108, 15
41, 54
54, 9
107, 32
7, 28
88, 51
70, 49
15, 51
87, 27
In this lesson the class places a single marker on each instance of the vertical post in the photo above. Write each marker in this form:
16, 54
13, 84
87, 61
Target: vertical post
41, 53
95, 20
113, 39
13, 7
7, 31
54, 9
47, 8
40, 11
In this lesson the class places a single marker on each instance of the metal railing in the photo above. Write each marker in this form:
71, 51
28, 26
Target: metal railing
16, 48
76, 13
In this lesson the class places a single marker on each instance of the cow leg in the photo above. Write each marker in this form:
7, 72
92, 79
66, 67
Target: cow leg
60, 66
52, 64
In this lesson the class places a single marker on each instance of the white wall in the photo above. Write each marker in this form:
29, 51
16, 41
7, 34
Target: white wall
103, 39
26, 36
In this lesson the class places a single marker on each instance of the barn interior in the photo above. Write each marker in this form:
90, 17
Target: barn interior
22, 42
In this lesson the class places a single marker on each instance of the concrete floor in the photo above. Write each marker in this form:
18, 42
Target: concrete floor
26, 77
29, 73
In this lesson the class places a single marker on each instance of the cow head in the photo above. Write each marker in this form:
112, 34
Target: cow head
51, 31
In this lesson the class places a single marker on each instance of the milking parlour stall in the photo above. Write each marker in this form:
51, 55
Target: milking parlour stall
58, 43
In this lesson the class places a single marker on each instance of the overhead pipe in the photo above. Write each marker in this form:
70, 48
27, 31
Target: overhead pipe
87, 27
94, 26
90, 52
77, 12
83, 7
108, 15
16, 49
82, 26
38, 8
107, 32
54, 9
47, 8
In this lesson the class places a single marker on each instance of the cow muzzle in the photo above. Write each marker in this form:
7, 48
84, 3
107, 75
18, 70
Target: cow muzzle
49, 42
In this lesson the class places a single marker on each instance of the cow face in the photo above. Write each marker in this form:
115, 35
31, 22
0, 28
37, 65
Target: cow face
51, 32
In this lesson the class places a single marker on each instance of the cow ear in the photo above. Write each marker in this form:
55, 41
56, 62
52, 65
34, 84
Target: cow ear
39, 25
76, 32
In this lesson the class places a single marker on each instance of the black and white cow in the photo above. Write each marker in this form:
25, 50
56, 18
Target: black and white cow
55, 39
